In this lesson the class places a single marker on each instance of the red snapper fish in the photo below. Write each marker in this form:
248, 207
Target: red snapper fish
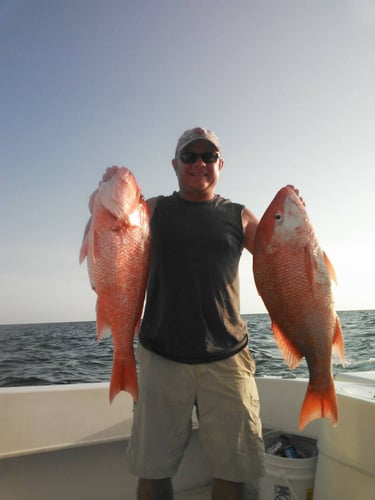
117, 246
293, 277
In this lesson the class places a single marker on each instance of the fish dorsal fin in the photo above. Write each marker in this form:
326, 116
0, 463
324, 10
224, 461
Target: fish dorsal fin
291, 355
331, 269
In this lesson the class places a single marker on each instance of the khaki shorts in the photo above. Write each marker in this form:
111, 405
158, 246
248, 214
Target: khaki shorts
228, 405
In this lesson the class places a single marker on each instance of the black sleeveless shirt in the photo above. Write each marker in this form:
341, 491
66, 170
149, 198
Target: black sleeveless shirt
192, 306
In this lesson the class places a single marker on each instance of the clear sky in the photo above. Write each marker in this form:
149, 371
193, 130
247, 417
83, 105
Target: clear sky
287, 85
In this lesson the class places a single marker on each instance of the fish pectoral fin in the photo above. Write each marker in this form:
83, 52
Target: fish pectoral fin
85, 243
338, 342
319, 404
309, 263
84, 250
95, 246
290, 353
102, 324
331, 269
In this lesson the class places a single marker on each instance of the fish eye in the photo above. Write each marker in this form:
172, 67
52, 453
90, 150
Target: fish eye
278, 216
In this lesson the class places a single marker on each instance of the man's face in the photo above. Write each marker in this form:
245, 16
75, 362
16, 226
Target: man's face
197, 176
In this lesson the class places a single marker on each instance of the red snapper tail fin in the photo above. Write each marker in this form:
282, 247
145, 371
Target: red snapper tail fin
124, 378
319, 404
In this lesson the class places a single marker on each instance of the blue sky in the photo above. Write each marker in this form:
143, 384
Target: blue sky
288, 86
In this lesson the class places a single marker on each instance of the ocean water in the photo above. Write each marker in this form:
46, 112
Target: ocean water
67, 353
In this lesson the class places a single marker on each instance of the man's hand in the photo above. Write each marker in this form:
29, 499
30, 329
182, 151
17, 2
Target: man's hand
110, 172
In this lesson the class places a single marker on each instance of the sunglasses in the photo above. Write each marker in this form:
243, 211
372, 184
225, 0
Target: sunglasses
208, 157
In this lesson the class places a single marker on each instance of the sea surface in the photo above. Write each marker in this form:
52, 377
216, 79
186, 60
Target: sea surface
67, 353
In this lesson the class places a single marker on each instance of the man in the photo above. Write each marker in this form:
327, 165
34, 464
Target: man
193, 341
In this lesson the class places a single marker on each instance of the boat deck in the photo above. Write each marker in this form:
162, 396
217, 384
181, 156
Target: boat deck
73, 474
204, 493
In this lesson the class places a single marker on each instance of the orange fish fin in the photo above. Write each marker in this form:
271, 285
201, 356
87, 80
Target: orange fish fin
319, 404
102, 324
124, 378
309, 263
84, 250
95, 246
331, 269
338, 342
85, 243
291, 355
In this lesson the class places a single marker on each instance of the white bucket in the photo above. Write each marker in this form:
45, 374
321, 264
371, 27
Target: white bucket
289, 478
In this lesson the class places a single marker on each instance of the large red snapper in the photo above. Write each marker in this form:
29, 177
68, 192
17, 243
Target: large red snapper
117, 247
293, 277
